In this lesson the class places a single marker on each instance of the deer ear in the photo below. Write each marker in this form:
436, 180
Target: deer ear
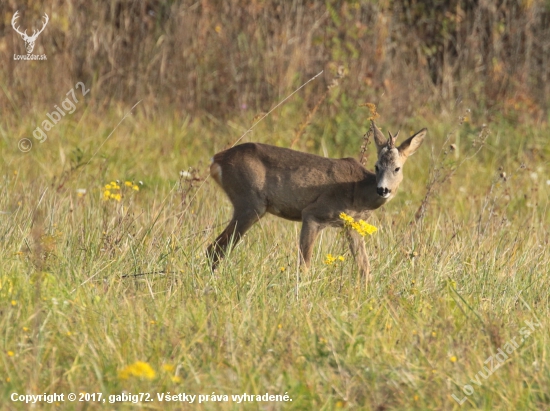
410, 145
379, 138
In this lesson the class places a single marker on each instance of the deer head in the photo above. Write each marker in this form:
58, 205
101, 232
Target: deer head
389, 167
29, 40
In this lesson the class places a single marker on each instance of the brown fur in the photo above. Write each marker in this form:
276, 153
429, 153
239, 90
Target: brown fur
297, 186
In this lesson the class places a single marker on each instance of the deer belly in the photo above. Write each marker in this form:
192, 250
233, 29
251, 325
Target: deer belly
283, 212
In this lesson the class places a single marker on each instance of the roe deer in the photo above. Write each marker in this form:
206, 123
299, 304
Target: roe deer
260, 178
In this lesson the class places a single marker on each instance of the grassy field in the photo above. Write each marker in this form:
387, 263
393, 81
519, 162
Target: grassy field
105, 296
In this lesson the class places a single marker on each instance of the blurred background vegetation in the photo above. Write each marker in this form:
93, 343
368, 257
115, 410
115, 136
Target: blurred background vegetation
92, 285
223, 57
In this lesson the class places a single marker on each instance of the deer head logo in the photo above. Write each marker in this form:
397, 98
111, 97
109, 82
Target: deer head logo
29, 40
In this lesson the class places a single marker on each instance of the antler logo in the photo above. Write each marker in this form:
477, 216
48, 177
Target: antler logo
29, 40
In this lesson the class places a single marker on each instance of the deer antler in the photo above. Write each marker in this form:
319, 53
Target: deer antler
391, 140
14, 18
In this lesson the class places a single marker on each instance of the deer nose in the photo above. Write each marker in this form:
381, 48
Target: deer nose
383, 191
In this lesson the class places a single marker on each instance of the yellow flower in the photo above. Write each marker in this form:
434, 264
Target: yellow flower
106, 194
330, 259
280, 326
176, 379
346, 218
25, 329
360, 226
135, 187
453, 358
11, 353
128, 183
112, 186
282, 269
13, 302
116, 197
365, 228
137, 369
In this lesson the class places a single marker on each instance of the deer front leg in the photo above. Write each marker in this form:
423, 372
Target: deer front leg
310, 230
359, 252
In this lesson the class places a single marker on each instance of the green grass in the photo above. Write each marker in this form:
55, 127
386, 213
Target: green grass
73, 313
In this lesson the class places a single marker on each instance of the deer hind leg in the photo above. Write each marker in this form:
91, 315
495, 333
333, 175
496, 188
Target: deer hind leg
239, 224
359, 252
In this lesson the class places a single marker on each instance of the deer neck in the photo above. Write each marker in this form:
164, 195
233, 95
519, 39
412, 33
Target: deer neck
366, 197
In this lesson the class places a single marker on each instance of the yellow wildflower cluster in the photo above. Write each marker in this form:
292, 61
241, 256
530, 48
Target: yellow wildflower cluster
132, 185
360, 226
137, 369
112, 190
331, 259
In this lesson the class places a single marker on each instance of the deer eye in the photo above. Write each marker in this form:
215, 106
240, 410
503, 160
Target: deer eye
397, 169
376, 168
